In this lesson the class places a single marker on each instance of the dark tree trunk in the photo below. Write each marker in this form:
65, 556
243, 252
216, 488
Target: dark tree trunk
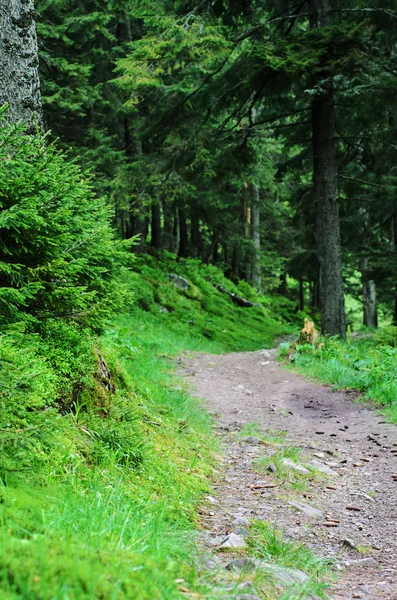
256, 239
183, 250
301, 294
168, 230
370, 309
395, 250
195, 235
315, 287
212, 250
138, 212
283, 287
235, 262
157, 234
176, 231
325, 175
19, 65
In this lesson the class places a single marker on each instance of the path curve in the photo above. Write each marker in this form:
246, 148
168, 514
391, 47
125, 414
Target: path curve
349, 437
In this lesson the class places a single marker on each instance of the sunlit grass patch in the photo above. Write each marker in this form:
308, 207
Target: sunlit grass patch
268, 544
274, 437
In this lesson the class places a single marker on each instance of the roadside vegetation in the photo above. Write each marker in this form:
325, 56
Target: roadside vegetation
365, 362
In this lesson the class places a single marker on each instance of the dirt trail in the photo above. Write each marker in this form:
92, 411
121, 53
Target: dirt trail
349, 438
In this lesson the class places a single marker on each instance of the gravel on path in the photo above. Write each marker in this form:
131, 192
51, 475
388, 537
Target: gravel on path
355, 502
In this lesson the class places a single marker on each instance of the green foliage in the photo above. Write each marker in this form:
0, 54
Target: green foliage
57, 250
203, 313
27, 390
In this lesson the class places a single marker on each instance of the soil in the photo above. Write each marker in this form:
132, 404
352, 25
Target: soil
331, 427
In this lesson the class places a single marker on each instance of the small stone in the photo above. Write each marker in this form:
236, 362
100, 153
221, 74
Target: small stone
306, 509
178, 281
234, 541
272, 468
250, 439
241, 564
349, 544
241, 521
291, 465
362, 562
325, 469
212, 500
215, 541
248, 597
241, 531
283, 575
211, 565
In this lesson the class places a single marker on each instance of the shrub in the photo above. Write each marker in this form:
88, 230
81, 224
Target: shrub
27, 392
57, 251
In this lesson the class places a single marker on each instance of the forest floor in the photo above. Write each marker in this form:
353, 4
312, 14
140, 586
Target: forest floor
274, 425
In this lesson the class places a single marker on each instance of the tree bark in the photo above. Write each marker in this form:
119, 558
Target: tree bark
157, 237
256, 239
19, 65
210, 256
195, 234
138, 212
168, 230
301, 294
325, 174
370, 309
183, 235
394, 225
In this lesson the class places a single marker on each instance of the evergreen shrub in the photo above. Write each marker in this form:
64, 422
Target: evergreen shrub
58, 256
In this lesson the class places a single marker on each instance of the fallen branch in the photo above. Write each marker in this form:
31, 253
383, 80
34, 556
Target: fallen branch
235, 298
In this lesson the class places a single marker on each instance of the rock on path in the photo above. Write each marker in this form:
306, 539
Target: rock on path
355, 511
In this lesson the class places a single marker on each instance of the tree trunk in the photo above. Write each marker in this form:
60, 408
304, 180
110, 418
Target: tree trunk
210, 257
315, 287
370, 309
138, 212
183, 235
168, 230
157, 237
325, 174
176, 235
283, 287
394, 225
256, 239
19, 65
195, 234
301, 294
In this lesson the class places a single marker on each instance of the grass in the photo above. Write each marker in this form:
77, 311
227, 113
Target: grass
273, 437
290, 477
109, 516
204, 314
367, 364
100, 481
268, 544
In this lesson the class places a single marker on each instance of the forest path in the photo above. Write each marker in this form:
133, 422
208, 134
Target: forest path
349, 438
